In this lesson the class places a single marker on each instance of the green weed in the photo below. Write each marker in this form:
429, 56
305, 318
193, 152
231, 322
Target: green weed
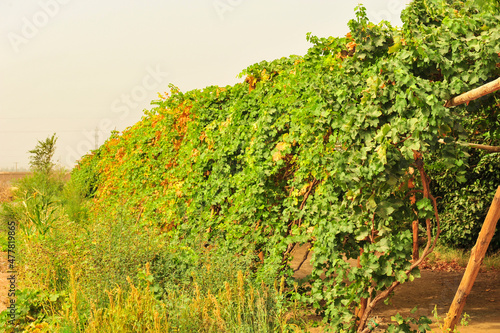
439, 321
444, 253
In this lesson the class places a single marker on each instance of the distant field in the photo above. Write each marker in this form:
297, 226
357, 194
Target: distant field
6, 179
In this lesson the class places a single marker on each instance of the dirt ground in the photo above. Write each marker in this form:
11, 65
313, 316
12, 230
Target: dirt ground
436, 287
5, 194
6, 179
439, 288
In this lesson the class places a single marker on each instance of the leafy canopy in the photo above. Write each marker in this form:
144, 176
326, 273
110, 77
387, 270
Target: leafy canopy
322, 149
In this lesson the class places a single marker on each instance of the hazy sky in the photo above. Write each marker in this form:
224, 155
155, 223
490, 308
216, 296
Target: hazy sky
72, 67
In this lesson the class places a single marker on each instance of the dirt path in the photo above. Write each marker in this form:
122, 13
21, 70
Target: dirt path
437, 288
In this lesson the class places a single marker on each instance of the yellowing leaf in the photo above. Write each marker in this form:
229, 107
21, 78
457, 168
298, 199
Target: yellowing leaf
382, 154
281, 146
395, 48
277, 156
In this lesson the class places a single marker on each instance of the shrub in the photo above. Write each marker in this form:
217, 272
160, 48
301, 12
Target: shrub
464, 205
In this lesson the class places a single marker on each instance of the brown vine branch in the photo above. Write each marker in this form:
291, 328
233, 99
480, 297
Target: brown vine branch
431, 243
395, 144
289, 249
298, 222
140, 215
473, 94
306, 196
412, 192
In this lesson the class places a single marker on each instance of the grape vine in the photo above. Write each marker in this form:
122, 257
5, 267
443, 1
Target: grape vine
317, 149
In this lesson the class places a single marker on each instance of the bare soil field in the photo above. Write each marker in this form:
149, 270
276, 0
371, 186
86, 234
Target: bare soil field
6, 179
436, 287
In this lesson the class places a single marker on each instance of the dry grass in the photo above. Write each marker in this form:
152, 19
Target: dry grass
236, 307
7, 179
5, 194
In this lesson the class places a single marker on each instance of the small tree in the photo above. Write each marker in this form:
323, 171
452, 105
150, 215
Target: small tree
41, 159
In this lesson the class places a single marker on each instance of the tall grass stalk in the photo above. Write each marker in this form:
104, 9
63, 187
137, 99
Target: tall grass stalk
238, 307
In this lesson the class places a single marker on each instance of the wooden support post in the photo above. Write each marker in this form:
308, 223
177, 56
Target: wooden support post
486, 89
490, 149
475, 261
